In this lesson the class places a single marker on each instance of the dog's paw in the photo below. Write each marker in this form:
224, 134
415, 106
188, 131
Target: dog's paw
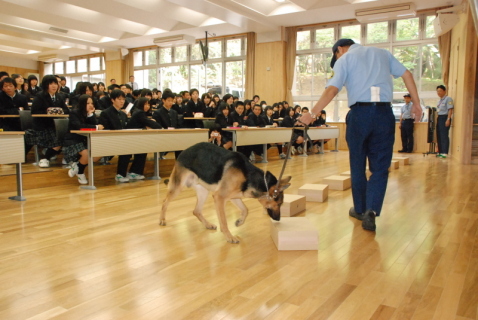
162, 222
239, 222
211, 226
233, 240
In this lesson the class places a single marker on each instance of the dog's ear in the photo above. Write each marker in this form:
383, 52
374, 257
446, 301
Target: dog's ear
284, 183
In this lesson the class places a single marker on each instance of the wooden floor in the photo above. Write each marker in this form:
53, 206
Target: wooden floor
68, 253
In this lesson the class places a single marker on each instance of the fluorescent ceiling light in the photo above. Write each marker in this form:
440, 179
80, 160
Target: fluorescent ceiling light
280, 1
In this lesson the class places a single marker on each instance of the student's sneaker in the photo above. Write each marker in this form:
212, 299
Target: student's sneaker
82, 178
134, 176
44, 163
299, 149
442, 155
282, 156
120, 178
73, 170
293, 150
252, 157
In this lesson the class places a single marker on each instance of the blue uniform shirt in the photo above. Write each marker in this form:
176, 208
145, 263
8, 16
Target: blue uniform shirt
445, 104
364, 67
407, 111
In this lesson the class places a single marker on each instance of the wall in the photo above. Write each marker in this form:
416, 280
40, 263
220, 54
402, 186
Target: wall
269, 74
462, 86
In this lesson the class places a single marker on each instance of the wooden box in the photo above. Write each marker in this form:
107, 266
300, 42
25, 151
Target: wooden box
394, 165
292, 205
294, 234
314, 192
338, 182
403, 160
346, 173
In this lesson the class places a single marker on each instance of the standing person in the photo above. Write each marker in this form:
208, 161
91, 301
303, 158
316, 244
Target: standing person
366, 73
134, 85
75, 146
406, 125
445, 112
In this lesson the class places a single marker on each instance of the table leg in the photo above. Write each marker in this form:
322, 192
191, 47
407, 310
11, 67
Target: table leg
336, 145
91, 179
156, 167
264, 153
234, 141
19, 196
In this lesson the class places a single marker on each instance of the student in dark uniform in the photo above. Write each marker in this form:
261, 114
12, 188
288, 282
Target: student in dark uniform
370, 121
166, 116
20, 81
289, 121
238, 115
48, 101
11, 103
194, 106
33, 87
255, 119
75, 148
63, 87
406, 125
114, 118
224, 120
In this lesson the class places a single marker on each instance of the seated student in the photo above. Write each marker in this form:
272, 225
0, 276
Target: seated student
145, 93
20, 81
139, 120
297, 110
48, 101
290, 122
166, 116
238, 116
95, 87
11, 103
114, 118
216, 99
193, 106
281, 110
211, 110
227, 101
75, 146
186, 95
247, 108
269, 119
255, 119
224, 120
177, 104
320, 122
63, 87
206, 100
126, 88
216, 136
155, 98
33, 87
3, 75
101, 87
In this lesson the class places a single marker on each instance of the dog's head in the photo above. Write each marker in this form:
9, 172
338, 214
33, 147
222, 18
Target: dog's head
272, 200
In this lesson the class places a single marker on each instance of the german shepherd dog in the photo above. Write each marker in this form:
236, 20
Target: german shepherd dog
230, 176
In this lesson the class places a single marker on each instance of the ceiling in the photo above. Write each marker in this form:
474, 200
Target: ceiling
32, 28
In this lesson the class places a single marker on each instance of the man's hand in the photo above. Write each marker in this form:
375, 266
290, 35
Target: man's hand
306, 118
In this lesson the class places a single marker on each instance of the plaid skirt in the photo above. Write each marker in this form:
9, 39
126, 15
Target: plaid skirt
44, 138
70, 153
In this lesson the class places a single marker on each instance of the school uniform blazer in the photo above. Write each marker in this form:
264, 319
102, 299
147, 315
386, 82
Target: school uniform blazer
255, 121
288, 122
239, 118
104, 102
223, 121
77, 122
40, 104
34, 91
166, 118
267, 121
65, 89
113, 119
140, 120
10, 105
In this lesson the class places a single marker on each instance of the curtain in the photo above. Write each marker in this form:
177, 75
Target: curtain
291, 38
444, 45
128, 66
250, 65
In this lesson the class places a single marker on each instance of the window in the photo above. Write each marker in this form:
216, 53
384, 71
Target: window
150, 57
70, 66
95, 64
138, 58
82, 65
181, 68
59, 68
411, 41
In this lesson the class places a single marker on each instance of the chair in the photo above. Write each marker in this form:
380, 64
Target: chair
208, 124
26, 123
61, 127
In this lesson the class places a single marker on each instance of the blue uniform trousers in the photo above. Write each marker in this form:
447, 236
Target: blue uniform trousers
370, 134
407, 135
443, 140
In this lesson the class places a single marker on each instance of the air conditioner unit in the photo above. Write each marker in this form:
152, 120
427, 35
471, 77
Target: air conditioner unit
52, 57
386, 12
174, 40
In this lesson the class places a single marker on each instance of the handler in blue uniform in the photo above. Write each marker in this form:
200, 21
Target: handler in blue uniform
445, 112
366, 73
406, 125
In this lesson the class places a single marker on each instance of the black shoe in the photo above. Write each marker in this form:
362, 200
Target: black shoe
402, 151
354, 214
368, 222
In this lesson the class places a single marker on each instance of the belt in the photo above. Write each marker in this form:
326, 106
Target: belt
371, 104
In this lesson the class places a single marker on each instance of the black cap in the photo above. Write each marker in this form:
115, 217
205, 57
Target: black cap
407, 95
339, 43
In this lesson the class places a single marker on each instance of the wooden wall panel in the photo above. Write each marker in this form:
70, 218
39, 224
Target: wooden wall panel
269, 74
114, 70
22, 71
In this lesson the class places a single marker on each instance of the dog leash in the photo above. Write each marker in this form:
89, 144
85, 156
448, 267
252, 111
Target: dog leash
306, 127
